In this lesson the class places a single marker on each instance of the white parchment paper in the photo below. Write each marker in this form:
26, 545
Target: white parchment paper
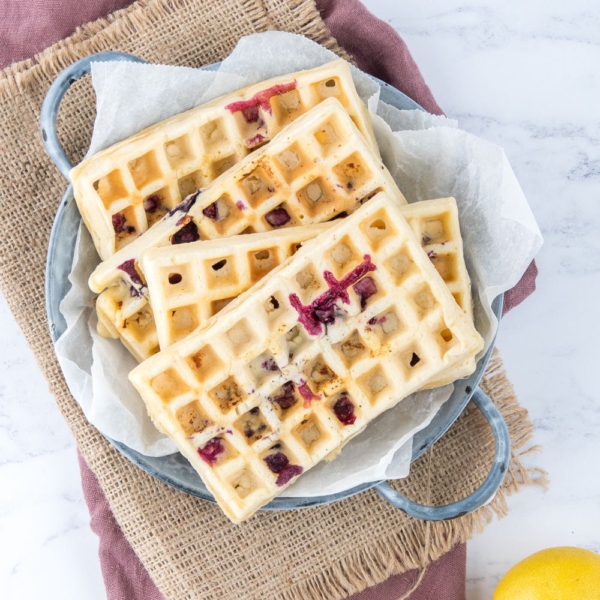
429, 156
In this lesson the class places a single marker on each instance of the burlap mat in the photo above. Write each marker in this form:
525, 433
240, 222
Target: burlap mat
189, 548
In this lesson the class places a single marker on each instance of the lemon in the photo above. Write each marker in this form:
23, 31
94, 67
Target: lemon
563, 573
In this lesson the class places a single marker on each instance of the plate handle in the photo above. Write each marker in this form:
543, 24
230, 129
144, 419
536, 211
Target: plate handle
480, 496
53, 99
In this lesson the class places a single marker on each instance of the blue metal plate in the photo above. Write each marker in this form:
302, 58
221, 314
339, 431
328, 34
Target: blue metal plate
175, 470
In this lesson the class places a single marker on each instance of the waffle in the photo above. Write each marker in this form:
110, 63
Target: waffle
285, 374
435, 223
190, 283
123, 190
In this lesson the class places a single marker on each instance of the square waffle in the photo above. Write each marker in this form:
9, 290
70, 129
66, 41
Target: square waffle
316, 169
190, 283
123, 190
358, 319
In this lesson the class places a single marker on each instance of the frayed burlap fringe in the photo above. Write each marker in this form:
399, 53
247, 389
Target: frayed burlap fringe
188, 547
107, 33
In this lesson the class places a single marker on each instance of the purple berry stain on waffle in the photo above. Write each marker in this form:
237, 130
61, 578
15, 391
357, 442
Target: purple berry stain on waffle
287, 398
364, 289
211, 451
184, 207
129, 267
344, 410
211, 211
151, 203
377, 321
240, 205
255, 140
135, 292
188, 233
120, 224
321, 311
307, 394
279, 464
278, 217
249, 108
269, 365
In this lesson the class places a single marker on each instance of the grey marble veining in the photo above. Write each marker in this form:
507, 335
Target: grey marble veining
47, 549
523, 75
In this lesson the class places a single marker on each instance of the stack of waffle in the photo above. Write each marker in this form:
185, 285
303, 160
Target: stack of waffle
264, 268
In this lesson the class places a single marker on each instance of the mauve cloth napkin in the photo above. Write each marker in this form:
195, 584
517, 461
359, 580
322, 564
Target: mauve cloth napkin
378, 50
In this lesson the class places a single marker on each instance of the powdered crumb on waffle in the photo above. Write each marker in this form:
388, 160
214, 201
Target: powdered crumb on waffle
189, 283
123, 190
435, 223
358, 319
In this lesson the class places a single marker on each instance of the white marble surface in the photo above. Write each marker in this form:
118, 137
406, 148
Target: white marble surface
525, 75
522, 74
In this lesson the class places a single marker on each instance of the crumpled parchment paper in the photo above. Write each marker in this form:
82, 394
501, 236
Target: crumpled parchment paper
429, 157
